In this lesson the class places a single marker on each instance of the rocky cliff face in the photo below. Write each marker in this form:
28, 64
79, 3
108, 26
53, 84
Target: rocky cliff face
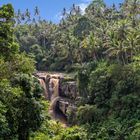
61, 91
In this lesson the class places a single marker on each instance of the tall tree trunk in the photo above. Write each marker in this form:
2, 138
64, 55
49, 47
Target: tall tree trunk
126, 57
123, 59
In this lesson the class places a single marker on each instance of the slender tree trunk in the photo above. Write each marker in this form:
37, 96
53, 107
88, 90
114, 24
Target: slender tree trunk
126, 57
123, 59
131, 54
94, 55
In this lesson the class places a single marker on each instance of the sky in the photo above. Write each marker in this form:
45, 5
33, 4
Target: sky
51, 9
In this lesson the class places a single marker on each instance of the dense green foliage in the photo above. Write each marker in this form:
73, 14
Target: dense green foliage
103, 32
101, 45
21, 106
113, 103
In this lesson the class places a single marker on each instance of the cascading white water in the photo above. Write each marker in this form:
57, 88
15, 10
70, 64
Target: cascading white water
43, 84
54, 88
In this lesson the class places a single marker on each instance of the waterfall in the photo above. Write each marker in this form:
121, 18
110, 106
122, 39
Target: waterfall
58, 94
43, 84
54, 88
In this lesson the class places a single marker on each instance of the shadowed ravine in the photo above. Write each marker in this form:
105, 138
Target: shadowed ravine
55, 111
60, 91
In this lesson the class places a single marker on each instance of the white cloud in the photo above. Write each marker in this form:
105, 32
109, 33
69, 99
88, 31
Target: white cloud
58, 16
83, 6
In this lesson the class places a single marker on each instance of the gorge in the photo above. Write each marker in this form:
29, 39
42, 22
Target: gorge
61, 91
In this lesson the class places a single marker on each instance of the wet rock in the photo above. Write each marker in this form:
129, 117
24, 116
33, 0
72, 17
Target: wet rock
69, 90
63, 105
61, 90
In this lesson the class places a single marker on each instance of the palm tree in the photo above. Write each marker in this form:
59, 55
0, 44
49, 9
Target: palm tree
117, 50
23, 17
18, 16
27, 15
64, 12
116, 42
93, 46
36, 11
131, 9
133, 42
